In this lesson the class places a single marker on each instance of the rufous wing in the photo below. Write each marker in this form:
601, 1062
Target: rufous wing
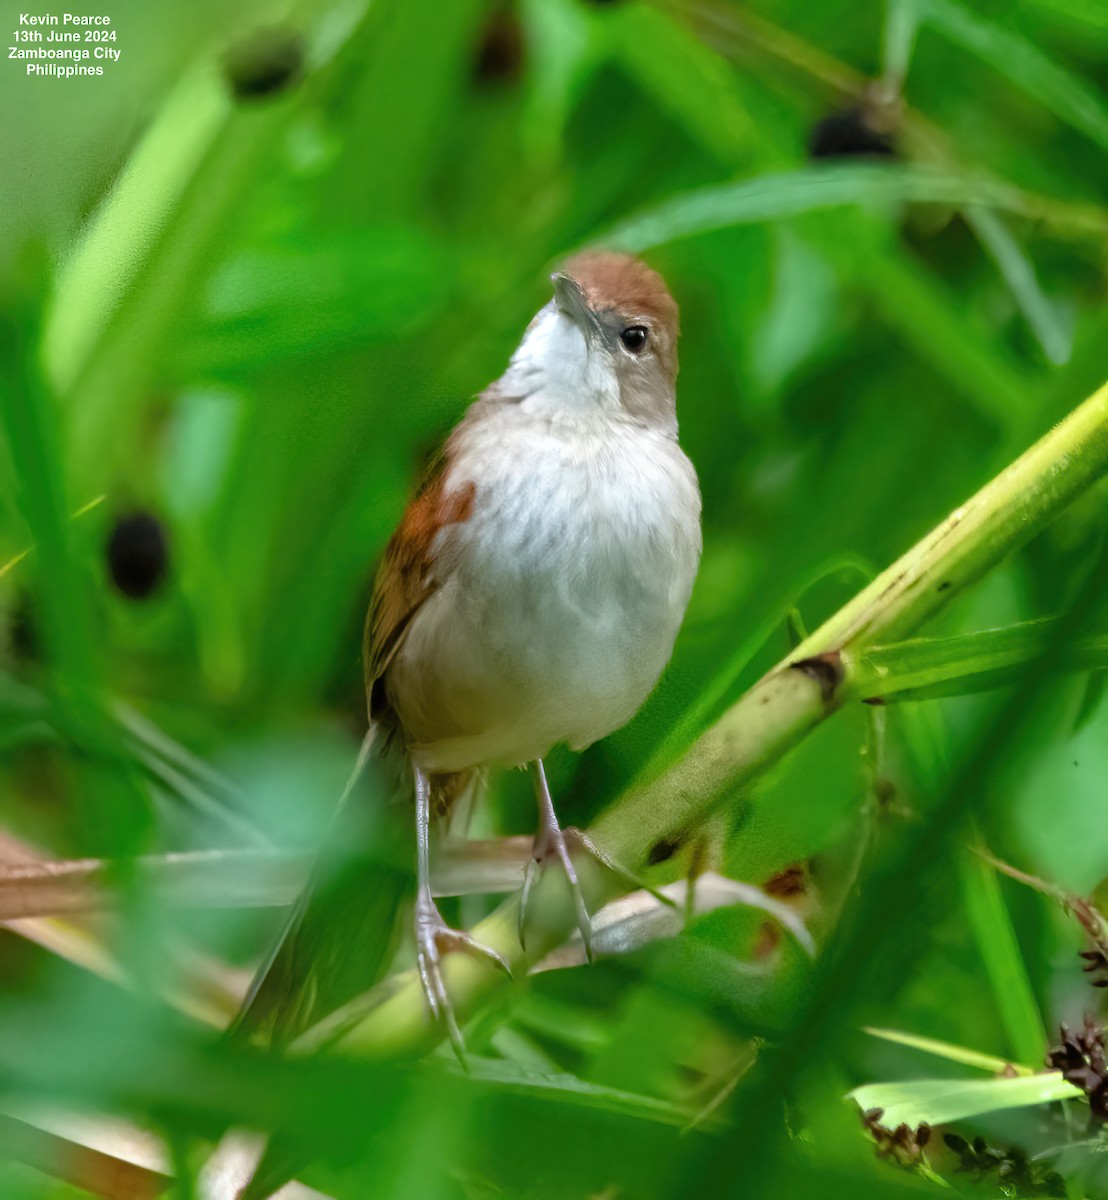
407, 577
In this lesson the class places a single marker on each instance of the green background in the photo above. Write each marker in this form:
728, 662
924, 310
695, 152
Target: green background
256, 316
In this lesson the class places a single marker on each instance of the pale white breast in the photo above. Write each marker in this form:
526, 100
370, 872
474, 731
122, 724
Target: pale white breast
559, 598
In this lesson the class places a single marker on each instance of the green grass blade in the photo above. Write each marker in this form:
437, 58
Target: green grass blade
685, 77
926, 314
902, 19
568, 1089
952, 1053
923, 668
812, 189
1023, 64
1001, 957
132, 282
940, 1101
1018, 270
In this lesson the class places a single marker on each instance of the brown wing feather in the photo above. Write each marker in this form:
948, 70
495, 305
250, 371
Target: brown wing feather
406, 578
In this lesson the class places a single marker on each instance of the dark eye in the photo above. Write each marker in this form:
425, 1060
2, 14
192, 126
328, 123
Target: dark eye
634, 338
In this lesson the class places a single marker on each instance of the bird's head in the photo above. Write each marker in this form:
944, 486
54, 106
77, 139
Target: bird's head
606, 342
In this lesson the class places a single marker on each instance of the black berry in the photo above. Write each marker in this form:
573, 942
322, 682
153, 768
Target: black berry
499, 57
23, 633
849, 134
263, 64
138, 555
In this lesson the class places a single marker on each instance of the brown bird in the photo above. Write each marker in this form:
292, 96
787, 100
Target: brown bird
533, 590
530, 596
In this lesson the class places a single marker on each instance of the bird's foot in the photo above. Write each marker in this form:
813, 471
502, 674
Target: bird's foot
435, 939
552, 842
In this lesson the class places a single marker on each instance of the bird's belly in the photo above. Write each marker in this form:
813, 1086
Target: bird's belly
571, 650
553, 626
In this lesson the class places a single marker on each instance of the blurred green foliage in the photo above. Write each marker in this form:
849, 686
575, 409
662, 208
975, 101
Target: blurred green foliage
252, 305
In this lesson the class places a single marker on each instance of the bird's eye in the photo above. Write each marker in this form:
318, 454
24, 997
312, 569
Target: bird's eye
634, 338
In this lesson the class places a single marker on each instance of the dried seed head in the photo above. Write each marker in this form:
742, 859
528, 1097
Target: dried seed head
1080, 1056
902, 1145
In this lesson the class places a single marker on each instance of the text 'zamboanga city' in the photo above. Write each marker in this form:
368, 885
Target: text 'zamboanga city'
62, 45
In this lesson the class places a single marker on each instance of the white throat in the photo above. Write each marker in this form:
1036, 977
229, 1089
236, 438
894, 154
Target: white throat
556, 370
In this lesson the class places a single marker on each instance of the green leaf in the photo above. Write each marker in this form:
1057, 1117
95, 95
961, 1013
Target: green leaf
1018, 270
1000, 955
346, 289
923, 668
568, 1089
902, 18
134, 275
124, 235
1090, 701
685, 77
811, 189
1090, 13
799, 313
947, 1050
410, 65
940, 1101
564, 50
929, 317
133, 278
1023, 64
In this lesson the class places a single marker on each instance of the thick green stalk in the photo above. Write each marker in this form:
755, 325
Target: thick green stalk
649, 825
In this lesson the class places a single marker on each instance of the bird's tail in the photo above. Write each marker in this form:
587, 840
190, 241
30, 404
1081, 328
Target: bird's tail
341, 931
364, 751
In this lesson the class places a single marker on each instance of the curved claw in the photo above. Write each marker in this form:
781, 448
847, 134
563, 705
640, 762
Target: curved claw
551, 839
457, 940
580, 838
434, 939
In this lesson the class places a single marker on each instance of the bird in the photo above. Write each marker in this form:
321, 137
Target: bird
535, 585
530, 596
